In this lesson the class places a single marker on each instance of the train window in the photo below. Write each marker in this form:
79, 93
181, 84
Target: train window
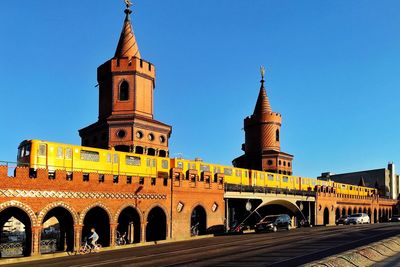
262, 175
245, 174
132, 160
351, 188
108, 157
270, 177
278, 179
193, 167
164, 164
59, 152
285, 179
216, 170
89, 155
291, 180
68, 153
42, 150
27, 150
205, 168
151, 162
180, 165
116, 159
238, 173
228, 171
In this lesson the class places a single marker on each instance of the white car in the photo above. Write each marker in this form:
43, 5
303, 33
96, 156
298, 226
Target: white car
358, 218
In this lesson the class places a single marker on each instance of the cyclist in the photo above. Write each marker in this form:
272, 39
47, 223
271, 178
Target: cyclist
94, 237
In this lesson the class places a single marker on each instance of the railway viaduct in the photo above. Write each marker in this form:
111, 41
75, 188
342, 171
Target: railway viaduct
148, 210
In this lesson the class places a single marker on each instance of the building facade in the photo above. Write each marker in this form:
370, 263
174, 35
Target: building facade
262, 150
385, 180
126, 106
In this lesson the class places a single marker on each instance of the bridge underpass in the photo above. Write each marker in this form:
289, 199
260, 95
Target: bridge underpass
249, 205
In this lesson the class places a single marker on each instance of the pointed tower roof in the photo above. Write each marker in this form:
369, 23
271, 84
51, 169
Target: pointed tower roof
127, 46
262, 105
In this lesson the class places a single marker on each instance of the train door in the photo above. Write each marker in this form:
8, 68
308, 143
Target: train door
42, 158
116, 163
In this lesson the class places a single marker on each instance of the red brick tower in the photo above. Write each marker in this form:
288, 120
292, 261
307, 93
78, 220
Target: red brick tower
126, 85
262, 138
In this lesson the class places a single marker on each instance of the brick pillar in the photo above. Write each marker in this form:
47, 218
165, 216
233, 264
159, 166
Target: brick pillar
36, 232
143, 232
77, 236
113, 233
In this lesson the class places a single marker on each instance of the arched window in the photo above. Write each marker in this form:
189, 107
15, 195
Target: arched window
277, 135
124, 91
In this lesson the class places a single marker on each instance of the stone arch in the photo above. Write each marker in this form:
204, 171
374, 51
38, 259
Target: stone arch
63, 235
17, 204
344, 211
156, 223
287, 204
53, 205
97, 216
337, 213
97, 204
129, 220
360, 210
326, 216
349, 211
198, 220
145, 215
376, 219
124, 206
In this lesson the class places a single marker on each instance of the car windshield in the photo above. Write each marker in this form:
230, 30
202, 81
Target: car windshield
356, 215
269, 218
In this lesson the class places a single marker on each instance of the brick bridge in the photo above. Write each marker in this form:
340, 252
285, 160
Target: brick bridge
150, 209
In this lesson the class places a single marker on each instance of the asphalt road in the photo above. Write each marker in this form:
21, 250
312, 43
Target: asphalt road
284, 248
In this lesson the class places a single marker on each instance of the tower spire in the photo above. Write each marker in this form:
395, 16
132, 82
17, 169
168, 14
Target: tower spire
262, 105
127, 45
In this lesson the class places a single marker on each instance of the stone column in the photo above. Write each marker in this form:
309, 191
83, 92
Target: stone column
36, 232
77, 236
143, 232
113, 233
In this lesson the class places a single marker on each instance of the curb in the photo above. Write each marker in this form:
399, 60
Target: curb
362, 256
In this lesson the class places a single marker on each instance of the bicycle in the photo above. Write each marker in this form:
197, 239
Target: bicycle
194, 230
87, 248
120, 240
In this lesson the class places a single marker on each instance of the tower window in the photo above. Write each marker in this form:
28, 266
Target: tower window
124, 91
277, 135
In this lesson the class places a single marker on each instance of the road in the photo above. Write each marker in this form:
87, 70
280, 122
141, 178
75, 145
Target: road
284, 248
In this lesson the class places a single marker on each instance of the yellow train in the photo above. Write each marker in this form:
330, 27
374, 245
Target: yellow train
56, 156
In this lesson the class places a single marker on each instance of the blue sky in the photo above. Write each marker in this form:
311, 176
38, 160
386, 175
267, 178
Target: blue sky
333, 72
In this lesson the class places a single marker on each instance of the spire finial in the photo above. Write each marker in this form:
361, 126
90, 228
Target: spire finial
128, 4
262, 71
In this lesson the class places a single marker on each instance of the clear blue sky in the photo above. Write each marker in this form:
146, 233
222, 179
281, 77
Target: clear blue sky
333, 72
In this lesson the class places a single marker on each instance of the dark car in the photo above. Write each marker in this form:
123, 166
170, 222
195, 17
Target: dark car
273, 223
395, 218
342, 220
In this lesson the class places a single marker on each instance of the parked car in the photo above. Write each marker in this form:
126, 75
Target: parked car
395, 218
273, 223
358, 218
342, 220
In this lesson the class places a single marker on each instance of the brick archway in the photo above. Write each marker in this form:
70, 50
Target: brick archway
97, 204
16, 204
53, 205
124, 206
